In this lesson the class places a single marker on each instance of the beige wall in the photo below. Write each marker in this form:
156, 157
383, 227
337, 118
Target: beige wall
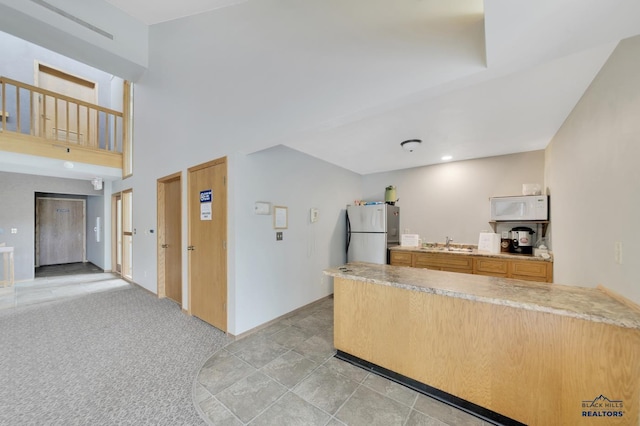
452, 199
593, 176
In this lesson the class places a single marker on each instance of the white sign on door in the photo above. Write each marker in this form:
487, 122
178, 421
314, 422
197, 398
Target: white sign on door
206, 199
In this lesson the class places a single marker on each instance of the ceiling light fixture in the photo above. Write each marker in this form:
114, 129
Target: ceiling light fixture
446, 157
411, 144
67, 165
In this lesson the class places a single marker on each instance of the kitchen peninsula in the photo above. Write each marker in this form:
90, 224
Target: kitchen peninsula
509, 350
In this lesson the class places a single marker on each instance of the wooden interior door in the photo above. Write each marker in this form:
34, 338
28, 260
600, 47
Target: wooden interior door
65, 121
61, 230
170, 238
207, 242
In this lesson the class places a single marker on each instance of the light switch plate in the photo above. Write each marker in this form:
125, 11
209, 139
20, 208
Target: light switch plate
313, 215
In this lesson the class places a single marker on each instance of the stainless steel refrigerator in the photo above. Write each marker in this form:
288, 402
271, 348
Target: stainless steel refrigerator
371, 230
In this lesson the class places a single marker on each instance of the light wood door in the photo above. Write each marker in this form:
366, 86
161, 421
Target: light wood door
170, 238
61, 231
62, 120
207, 242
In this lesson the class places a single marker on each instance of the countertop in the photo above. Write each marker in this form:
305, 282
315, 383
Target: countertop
578, 302
473, 252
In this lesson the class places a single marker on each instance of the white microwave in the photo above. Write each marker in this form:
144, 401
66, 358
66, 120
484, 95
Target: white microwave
528, 207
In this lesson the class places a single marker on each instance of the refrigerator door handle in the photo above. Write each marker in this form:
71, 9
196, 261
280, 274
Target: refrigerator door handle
348, 232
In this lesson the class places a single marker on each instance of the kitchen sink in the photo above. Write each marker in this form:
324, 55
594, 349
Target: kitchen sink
451, 249
460, 250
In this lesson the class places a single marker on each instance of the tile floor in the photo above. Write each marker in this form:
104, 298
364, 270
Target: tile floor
67, 269
287, 374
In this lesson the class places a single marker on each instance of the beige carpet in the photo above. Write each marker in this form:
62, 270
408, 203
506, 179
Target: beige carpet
115, 357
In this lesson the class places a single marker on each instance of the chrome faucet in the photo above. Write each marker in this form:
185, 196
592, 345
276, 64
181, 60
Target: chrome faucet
447, 241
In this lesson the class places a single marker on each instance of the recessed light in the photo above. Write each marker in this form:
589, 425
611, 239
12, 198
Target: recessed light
446, 157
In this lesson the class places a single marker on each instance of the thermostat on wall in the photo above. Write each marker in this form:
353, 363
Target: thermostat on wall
261, 207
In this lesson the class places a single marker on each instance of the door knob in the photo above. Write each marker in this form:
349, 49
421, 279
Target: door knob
191, 248
165, 245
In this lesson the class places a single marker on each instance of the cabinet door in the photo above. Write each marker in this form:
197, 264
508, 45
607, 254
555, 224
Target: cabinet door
491, 267
531, 270
424, 260
444, 262
455, 263
401, 258
458, 270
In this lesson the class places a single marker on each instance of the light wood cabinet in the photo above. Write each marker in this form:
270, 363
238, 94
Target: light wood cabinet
399, 258
491, 267
530, 270
443, 262
492, 355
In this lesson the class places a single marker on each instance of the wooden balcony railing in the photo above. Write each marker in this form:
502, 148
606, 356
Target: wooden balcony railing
29, 113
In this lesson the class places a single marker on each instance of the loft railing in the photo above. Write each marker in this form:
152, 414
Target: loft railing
31, 111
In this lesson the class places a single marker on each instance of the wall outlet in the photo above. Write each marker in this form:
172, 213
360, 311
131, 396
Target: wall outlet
278, 236
14, 230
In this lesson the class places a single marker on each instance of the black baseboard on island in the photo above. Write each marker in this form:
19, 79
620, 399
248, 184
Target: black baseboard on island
459, 403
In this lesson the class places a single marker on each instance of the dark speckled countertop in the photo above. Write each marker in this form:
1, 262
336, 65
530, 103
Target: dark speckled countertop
579, 302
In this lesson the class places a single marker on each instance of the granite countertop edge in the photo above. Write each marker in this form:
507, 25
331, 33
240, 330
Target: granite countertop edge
474, 252
532, 306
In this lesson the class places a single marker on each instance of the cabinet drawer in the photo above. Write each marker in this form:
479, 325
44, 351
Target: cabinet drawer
454, 263
401, 259
486, 266
529, 269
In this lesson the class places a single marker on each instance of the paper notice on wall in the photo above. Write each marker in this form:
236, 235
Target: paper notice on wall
206, 199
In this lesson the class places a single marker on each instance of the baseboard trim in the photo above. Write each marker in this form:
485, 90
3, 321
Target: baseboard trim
483, 413
273, 321
139, 286
620, 298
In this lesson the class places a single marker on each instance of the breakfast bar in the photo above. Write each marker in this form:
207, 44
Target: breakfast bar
510, 351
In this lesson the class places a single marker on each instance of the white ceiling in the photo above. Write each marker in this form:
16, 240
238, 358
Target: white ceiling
471, 78
155, 11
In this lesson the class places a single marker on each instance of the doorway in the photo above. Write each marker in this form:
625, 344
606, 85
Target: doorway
60, 231
170, 237
207, 195
59, 119
122, 234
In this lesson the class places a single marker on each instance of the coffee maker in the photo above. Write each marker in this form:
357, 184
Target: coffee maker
522, 240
